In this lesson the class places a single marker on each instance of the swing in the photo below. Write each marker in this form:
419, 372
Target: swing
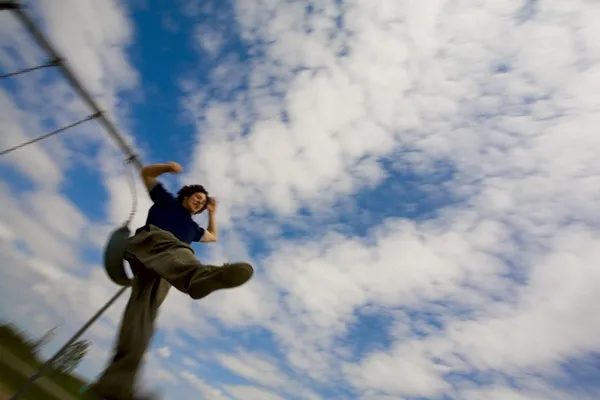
114, 252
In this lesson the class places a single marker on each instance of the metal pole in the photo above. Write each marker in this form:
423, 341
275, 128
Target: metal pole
17, 9
76, 336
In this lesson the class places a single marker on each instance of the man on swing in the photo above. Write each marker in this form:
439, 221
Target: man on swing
160, 256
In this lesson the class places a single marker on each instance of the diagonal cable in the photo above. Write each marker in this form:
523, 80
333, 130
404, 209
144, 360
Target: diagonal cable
47, 135
53, 63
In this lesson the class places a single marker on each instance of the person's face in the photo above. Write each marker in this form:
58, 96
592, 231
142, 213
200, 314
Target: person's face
195, 202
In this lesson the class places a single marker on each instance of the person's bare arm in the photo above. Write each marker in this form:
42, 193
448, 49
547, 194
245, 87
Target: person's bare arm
211, 232
151, 172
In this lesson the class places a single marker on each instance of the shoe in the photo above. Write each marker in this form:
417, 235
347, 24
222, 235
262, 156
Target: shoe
226, 277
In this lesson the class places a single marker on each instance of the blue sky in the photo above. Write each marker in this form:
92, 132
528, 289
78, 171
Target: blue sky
414, 182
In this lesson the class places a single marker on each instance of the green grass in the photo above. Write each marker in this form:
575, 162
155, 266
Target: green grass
20, 346
69, 383
13, 380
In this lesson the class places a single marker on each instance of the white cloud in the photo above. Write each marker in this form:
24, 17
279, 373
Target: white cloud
251, 393
32, 161
533, 391
209, 39
158, 371
503, 104
64, 299
189, 362
264, 371
164, 352
374, 102
59, 214
259, 369
94, 38
208, 392
41, 239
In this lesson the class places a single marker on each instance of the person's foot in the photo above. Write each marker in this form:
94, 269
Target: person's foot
226, 277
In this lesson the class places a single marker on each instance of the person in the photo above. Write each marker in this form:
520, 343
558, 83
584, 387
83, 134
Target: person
160, 256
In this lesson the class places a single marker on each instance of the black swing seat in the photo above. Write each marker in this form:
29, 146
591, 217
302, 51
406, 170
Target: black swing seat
114, 253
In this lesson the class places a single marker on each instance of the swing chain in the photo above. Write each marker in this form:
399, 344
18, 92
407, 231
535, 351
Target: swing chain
134, 199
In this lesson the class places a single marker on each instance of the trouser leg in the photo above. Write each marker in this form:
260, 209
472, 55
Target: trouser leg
159, 260
175, 262
137, 327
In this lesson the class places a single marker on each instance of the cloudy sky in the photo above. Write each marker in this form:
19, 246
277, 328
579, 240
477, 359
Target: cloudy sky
416, 183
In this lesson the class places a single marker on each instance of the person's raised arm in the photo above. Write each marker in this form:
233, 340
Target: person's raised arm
151, 172
211, 232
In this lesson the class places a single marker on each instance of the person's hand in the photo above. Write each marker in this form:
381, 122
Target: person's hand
175, 167
212, 204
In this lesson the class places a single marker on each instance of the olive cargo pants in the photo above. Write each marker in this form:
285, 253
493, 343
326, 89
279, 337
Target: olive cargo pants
159, 260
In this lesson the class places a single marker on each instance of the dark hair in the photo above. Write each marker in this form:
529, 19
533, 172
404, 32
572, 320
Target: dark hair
189, 190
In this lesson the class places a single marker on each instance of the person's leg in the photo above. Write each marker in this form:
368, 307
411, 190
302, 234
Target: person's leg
175, 262
137, 327
158, 260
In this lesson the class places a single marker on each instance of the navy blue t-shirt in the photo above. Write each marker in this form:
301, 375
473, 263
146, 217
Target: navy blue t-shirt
168, 214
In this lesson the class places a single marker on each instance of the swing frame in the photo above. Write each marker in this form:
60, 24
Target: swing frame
114, 250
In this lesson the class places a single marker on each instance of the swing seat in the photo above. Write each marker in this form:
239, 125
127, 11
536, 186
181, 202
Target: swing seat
114, 253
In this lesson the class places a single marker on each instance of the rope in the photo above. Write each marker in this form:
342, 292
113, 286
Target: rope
47, 135
132, 187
